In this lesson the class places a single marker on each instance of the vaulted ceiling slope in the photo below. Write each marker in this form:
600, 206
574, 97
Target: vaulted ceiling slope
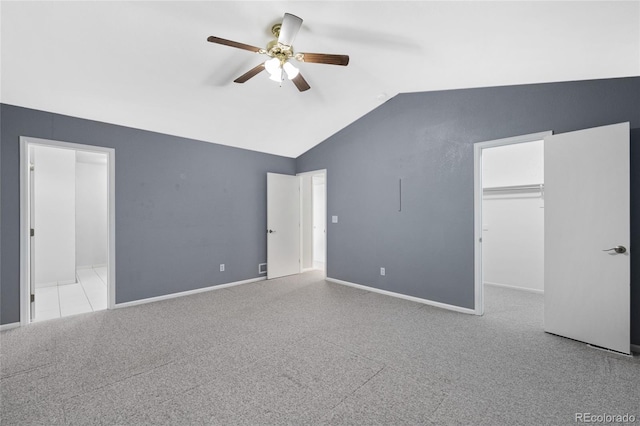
148, 65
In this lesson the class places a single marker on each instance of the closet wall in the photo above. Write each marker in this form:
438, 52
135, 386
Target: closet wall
513, 219
54, 208
91, 209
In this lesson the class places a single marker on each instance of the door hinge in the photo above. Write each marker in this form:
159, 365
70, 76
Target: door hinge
33, 298
33, 232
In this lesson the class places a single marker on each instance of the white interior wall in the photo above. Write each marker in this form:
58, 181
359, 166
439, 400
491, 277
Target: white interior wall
91, 209
306, 222
513, 222
54, 193
319, 222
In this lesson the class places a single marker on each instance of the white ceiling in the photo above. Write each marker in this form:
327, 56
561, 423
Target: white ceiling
148, 65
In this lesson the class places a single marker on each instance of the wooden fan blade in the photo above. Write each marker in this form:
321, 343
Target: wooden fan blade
251, 73
231, 43
289, 29
323, 58
301, 83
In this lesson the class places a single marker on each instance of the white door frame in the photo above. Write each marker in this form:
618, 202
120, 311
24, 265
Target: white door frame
25, 240
314, 173
477, 206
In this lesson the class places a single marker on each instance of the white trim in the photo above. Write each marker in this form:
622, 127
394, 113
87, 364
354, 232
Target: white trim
25, 142
186, 293
477, 206
49, 284
404, 296
9, 326
101, 265
24, 232
515, 287
307, 270
635, 348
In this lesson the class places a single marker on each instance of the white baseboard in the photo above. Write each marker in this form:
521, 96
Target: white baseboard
635, 348
4, 327
186, 293
404, 296
100, 265
307, 270
514, 287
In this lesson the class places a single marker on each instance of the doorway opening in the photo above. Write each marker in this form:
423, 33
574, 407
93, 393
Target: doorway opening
586, 234
296, 223
67, 229
509, 215
313, 221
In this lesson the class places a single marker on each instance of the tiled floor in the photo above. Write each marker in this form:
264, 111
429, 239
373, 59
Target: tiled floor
87, 295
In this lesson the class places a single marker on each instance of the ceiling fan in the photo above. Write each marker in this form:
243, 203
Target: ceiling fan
280, 52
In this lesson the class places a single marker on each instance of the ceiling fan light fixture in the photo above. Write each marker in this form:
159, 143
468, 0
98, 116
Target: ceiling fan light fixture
277, 77
292, 71
272, 66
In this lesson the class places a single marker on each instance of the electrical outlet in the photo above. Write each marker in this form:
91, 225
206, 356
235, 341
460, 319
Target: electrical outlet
383, 271
222, 267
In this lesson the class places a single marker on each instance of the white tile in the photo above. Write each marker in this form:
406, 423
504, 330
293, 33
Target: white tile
102, 273
75, 309
97, 296
93, 283
98, 303
47, 315
73, 300
71, 293
86, 274
95, 290
47, 299
89, 294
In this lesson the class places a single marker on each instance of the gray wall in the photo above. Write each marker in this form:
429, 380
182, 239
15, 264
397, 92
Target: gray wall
427, 140
182, 206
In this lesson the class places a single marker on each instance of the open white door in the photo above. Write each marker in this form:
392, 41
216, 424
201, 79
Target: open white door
587, 262
283, 225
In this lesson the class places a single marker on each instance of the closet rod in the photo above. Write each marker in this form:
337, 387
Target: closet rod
535, 187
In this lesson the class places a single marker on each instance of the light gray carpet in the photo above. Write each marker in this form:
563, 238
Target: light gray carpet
300, 351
